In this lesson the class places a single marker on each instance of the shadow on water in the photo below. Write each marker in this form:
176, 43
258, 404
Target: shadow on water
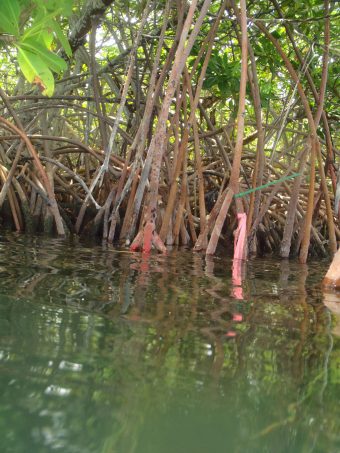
110, 351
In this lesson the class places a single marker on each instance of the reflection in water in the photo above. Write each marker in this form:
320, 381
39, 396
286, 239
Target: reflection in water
111, 351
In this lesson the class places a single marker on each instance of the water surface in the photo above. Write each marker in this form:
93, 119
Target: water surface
109, 351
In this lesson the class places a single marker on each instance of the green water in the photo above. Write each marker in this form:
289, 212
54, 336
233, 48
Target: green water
108, 351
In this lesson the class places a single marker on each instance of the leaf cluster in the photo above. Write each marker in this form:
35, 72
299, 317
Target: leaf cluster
33, 28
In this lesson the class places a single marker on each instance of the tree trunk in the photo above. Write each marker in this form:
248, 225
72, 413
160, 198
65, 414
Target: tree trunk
235, 172
148, 235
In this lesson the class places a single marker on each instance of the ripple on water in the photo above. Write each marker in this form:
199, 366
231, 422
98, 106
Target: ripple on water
107, 350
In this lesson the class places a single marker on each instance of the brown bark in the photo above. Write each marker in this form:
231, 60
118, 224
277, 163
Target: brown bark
91, 9
255, 197
53, 204
158, 141
141, 136
95, 83
291, 213
235, 172
191, 121
315, 151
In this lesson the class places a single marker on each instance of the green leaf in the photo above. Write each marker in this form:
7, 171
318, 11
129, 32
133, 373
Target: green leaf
63, 6
36, 71
195, 49
67, 7
61, 37
47, 37
52, 60
209, 82
224, 88
41, 22
276, 34
9, 17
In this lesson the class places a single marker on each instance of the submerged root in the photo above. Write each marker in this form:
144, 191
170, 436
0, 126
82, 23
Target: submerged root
146, 238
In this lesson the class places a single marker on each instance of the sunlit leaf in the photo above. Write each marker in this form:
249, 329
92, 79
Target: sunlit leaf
41, 22
36, 70
9, 17
47, 38
52, 60
64, 6
61, 37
